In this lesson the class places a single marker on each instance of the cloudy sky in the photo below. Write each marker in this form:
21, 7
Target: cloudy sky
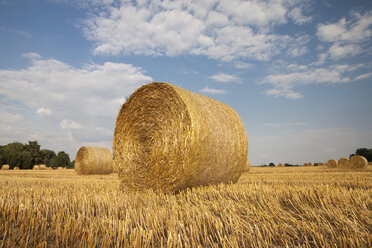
298, 72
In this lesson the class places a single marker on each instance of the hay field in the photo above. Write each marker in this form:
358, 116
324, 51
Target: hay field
310, 207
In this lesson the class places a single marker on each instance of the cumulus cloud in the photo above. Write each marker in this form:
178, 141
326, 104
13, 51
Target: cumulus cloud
225, 78
85, 101
348, 37
223, 30
213, 91
44, 112
298, 17
284, 83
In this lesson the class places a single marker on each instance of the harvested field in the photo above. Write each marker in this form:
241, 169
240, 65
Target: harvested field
288, 206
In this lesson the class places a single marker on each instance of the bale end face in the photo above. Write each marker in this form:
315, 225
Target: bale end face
358, 162
332, 163
167, 138
93, 160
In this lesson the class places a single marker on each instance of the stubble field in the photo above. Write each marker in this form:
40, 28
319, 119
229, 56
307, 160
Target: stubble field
309, 207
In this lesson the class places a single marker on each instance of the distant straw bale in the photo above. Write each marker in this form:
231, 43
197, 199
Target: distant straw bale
310, 164
169, 138
332, 163
36, 167
93, 160
321, 164
358, 162
247, 166
5, 167
42, 167
60, 168
343, 163
280, 165
16, 168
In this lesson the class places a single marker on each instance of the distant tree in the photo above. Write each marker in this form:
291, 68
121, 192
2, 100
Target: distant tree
271, 164
62, 160
353, 154
47, 156
34, 148
367, 153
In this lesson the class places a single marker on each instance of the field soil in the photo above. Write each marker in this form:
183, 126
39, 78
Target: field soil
268, 207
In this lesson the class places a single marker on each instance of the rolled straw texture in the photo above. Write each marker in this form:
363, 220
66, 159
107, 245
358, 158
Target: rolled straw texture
168, 138
5, 167
358, 162
280, 165
247, 166
343, 163
332, 163
93, 160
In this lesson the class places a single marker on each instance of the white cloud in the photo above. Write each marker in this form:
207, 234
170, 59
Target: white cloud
213, 91
285, 82
223, 30
242, 65
354, 30
85, 101
44, 112
68, 124
337, 51
298, 17
347, 37
225, 78
363, 76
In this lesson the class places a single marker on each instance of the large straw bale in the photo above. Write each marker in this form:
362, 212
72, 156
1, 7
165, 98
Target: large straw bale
5, 167
280, 165
332, 163
247, 166
358, 162
42, 167
343, 163
36, 167
169, 138
93, 160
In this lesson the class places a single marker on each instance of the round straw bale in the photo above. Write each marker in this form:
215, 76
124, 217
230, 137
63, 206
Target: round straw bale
42, 167
60, 168
320, 164
332, 163
5, 167
343, 163
36, 167
169, 138
247, 166
280, 165
93, 160
306, 164
16, 168
358, 162
310, 164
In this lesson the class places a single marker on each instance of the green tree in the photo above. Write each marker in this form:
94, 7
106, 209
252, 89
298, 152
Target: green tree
34, 148
47, 156
271, 164
367, 153
62, 160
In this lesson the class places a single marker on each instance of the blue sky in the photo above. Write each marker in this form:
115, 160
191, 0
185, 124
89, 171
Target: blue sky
299, 73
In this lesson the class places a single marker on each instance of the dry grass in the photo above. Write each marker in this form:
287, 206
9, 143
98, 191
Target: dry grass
268, 207
169, 138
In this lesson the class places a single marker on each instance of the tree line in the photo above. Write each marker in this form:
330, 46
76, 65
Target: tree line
25, 156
